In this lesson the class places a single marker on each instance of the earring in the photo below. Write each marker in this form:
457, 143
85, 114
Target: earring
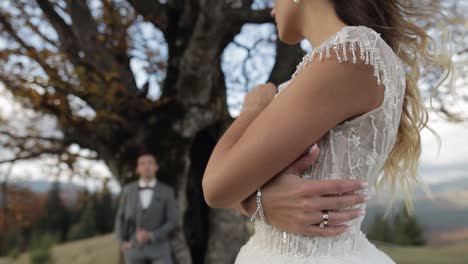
296, 1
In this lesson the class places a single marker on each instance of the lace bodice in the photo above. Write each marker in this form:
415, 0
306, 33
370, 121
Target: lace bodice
356, 148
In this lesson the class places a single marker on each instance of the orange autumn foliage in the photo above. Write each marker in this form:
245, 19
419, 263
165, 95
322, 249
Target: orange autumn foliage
23, 209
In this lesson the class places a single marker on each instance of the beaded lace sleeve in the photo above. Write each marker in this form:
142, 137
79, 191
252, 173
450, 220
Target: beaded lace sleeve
348, 48
367, 139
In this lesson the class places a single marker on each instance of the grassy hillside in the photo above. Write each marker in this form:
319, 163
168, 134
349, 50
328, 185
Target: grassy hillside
454, 254
103, 250
98, 250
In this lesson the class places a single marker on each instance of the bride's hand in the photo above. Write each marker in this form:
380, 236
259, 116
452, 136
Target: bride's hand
259, 97
295, 204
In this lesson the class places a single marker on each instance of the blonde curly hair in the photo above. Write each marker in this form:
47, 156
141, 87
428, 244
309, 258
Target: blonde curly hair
396, 20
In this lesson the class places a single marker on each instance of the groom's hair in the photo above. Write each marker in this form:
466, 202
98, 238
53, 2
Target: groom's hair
146, 152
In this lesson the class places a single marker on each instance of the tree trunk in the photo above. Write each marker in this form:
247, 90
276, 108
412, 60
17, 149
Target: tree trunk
182, 127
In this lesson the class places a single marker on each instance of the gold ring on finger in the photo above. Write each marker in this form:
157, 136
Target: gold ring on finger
325, 217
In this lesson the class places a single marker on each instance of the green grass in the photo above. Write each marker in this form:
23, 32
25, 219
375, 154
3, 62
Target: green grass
96, 250
103, 250
453, 254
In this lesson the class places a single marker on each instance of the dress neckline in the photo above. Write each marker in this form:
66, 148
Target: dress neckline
343, 35
332, 37
329, 40
337, 35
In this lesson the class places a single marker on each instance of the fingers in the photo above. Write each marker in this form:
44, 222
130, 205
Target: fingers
336, 223
341, 217
328, 231
340, 202
335, 218
271, 85
304, 162
331, 187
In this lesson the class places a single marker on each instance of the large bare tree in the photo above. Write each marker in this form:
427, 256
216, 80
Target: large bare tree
61, 54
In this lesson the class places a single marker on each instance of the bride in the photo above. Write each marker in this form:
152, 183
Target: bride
355, 98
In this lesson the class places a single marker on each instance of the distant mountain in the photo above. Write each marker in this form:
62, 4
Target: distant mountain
454, 191
460, 184
42, 186
69, 191
446, 214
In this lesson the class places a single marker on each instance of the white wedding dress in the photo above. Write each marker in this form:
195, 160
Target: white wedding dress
356, 148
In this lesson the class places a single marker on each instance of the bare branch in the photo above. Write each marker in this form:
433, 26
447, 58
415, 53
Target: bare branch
93, 44
34, 146
30, 137
249, 51
67, 38
32, 155
152, 11
247, 15
55, 104
36, 30
60, 85
25, 150
91, 41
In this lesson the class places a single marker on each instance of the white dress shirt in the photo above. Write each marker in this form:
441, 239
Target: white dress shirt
147, 194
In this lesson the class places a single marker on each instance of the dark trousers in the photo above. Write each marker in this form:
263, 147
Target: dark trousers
136, 259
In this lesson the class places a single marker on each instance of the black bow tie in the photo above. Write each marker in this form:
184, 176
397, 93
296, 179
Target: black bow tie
145, 188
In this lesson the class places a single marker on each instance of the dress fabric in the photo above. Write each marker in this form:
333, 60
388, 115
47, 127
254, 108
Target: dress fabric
354, 149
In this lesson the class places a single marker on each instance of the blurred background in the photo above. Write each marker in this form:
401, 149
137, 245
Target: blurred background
85, 83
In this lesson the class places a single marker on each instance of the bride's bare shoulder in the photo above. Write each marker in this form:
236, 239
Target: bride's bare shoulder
347, 66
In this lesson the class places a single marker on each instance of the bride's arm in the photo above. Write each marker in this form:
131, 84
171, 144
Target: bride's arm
246, 206
299, 116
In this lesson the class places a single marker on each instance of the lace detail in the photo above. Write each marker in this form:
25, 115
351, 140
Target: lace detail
342, 45
270, 239
366, 253
355, 149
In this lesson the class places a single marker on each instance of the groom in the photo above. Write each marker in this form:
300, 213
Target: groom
146, 215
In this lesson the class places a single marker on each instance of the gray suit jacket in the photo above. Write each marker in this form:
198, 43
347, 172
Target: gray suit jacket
160, 218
